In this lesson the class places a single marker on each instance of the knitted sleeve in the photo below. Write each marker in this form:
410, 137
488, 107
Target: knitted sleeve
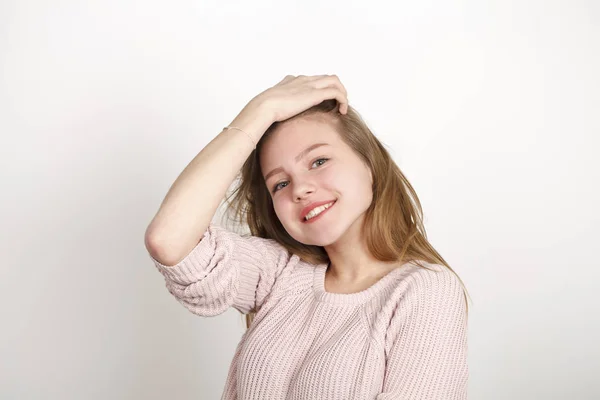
225, 270
426, 346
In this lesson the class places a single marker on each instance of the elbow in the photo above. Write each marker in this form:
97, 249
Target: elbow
152, 246
155, 248
151, 241
163, 252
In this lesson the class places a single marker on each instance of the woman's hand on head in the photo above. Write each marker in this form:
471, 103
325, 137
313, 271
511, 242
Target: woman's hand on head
295, 94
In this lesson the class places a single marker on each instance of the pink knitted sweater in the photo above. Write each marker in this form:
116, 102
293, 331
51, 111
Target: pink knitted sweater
405, 337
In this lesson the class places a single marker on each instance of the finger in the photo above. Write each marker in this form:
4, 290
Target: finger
316, 77
338, 82
335, 93
330, 80
286, 79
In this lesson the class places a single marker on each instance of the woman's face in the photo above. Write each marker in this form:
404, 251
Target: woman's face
329, 171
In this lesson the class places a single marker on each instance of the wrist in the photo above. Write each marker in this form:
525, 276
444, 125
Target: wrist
253, 119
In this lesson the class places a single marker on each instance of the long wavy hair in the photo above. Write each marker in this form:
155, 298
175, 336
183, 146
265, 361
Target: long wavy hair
393, 224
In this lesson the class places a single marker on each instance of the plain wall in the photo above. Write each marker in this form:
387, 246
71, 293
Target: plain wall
490, 108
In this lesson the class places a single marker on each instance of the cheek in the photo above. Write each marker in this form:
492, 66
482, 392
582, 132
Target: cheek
277, 209
281, 210
347, 180
357, 184
332, 178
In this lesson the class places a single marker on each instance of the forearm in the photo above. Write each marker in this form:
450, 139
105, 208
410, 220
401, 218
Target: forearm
194, 197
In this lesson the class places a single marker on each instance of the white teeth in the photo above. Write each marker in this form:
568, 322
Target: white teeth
316, 211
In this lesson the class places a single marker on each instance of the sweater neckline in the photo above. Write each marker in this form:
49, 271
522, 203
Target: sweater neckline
350, 298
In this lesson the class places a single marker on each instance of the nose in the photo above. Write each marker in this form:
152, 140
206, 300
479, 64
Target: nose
303, 189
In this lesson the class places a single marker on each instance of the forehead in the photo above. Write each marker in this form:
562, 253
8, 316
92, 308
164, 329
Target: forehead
293, 136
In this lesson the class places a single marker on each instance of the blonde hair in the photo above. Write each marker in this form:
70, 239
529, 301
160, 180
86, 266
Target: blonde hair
393, 224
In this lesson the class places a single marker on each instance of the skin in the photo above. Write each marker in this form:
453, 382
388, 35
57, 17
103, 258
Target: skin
343, 177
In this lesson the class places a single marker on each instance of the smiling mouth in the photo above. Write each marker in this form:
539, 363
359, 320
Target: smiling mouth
318, 215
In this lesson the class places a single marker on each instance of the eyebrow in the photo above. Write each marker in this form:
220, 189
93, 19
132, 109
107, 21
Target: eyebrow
300, 156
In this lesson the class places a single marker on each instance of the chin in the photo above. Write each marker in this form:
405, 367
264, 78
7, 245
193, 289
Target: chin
322, 238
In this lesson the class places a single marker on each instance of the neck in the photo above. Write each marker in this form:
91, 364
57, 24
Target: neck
350, 259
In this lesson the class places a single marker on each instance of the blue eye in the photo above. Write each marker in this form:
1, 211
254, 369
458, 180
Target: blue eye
320, 159
277, 186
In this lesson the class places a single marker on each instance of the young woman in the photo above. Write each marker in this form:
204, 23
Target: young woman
344, 296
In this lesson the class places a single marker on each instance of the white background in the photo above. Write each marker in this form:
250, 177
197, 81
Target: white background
490, 108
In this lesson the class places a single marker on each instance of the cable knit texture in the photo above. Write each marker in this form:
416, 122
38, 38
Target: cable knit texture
404, 338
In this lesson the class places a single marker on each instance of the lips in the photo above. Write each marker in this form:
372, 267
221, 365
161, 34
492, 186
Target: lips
312, 206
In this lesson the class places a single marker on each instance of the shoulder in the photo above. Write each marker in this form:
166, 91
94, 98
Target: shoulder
429, 288
414, 277
425, 302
